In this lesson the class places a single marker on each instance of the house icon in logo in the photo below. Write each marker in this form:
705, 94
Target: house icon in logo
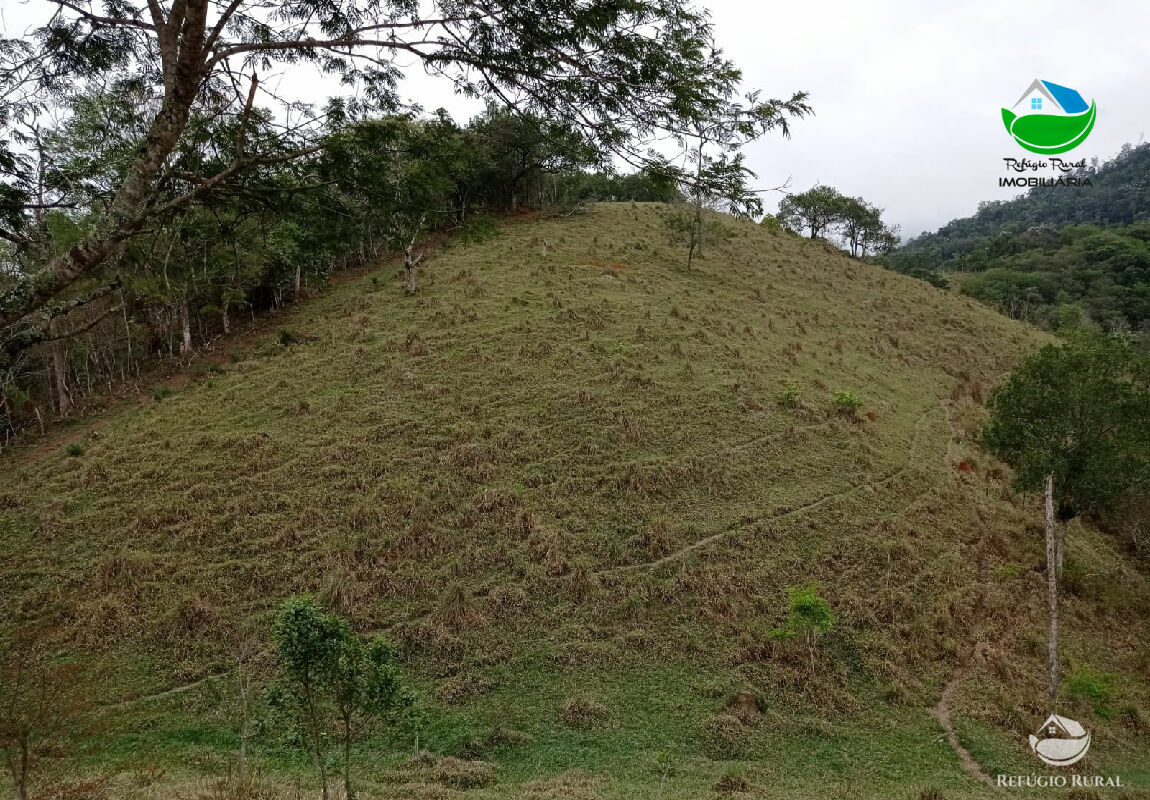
1049, 118
1060, 741
1044, 97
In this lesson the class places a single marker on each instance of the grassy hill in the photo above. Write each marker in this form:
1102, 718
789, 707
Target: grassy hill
573, 482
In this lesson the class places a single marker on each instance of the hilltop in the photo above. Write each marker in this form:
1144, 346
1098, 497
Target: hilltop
572, 481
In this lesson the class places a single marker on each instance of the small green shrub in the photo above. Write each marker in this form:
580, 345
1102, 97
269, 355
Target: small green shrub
791, 395
846, 402
288, 337
772, 224
160, 392
478, 229
75, 449
810, 616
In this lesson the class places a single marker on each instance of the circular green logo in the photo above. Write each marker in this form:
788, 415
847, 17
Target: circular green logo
1050, 119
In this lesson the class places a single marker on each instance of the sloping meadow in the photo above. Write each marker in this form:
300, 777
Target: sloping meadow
572, 481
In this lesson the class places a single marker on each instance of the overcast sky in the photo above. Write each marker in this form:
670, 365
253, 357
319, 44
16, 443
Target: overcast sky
907, 95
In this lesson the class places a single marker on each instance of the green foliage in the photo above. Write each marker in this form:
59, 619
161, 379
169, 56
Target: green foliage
823, 210
846, 402
771, 222
1092, 687
791, 395
1036, 256
816, 210
478, 228
809, 615
334, 674
74, 449
1079, 412
309, 641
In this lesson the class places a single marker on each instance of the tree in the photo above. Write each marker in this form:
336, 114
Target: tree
1074, 420
366, 684
334, 673
309, 642
857, 217
518, 148
1079, 412
41, 696
876, 236
718, 176
817, 210
620, 73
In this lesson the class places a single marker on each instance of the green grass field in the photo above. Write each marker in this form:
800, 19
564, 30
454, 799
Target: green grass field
572, 481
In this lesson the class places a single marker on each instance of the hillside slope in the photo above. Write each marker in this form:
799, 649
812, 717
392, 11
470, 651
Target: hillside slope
573, 481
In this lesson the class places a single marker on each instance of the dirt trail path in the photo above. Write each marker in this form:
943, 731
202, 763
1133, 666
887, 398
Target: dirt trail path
187, 687
941, 712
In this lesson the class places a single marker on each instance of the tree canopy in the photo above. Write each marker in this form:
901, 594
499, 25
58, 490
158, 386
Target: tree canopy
824, 210
618, 73
1081, 413
152, 185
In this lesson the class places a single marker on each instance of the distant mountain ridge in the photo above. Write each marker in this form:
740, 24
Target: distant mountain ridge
1120, 196
1058, 257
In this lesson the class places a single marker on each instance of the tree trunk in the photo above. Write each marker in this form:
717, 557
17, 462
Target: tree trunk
60, 373
18, 766
226, 320
1052, 585
317, 749
298, 281
186, 327
411, 259
349, 793
409, 271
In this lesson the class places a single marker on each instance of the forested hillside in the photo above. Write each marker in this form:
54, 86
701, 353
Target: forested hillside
1058, 257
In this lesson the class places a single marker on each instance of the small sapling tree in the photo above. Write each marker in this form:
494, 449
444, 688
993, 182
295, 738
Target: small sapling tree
42, 697
335, 677
809, 617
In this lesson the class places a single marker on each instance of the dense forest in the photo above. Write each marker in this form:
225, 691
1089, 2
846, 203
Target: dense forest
1058, 258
